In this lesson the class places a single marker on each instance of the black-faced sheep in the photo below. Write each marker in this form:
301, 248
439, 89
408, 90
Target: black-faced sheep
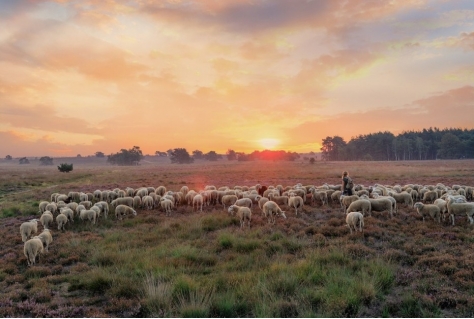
243, 213
28, 228
31, 249
354, 219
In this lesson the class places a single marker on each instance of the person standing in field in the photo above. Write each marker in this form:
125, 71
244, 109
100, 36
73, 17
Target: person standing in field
347, 184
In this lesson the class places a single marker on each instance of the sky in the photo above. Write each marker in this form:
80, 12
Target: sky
84, 76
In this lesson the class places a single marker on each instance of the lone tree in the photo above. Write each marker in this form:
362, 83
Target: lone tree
65, 168
161, 154
24, 160
231, 155
8, 157
211, 156
197, 154
312, 160
180, 156
126, 157
46, 160
99, 154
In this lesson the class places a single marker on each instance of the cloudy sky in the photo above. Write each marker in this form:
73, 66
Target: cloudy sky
101, 75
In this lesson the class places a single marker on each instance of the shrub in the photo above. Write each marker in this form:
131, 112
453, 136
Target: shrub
65, 168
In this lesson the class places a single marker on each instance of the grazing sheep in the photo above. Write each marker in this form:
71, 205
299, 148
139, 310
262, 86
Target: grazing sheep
69, 213
280, 200
123, 201
28, 228
184, 190
380, 204
147, 202
79, 209
244, 202
243, 213
262, 201
46, 219
346, 200
271, 209
52, 207
130, 191
31, 249
335, 196
63, 197
402, 198
72, 205
46, 238
228, 200
42, 206
87, 204
166, 205
137, 202
97, 195
428, 209
390, 198
160, 190
88, 214
354, 219
456, 208
104, 207
361, 205
443, 207
97, 210
198, 201
295, 202
319, 195
430, 197
122, 210
61, 220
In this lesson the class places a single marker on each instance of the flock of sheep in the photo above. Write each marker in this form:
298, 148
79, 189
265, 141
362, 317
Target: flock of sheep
436, 201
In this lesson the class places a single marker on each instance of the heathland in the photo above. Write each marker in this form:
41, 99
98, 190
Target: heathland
194, 264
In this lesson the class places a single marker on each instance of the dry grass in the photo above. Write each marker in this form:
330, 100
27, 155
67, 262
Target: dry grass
203, 264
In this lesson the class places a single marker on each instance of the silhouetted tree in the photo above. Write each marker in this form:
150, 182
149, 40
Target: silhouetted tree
46, 160
180, 156
197, 154
211, 156
161, 154
231, 155
312, 160
24, 160
8, 157
99, 154
126, 157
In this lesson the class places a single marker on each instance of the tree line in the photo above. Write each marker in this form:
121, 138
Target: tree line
427, 144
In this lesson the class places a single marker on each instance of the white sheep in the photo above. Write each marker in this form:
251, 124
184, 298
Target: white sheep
31, 249
271, 209
428, 209
72, 205
46, 219
320, 195
262, 201
147, 202
430, 196
160, 190
295, 202
443, 207
402, 198
42, 206
122, 201
381, 204
122, 210
52, 207
28, 228
361, 205
166, 205
87, 204
97, 209
46, 238
346, 200
244, 202
88, 214
354, 219
79, 209
243, 213
198, 201
104, 207
228, 200
456, 208
61, 220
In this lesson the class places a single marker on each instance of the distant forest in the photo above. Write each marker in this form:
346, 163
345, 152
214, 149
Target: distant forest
428, 144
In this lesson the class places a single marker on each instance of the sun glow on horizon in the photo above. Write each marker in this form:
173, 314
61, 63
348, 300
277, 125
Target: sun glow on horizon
269, 143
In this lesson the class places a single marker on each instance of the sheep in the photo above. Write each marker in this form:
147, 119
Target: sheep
346, 200
198, 201
228, 200
46, 218
354, 219
52, 207
271, 209
97, 210
63, 197
456, 208
104, 207
79, 209
122, 210
430, 196
137, 202
130, 191
443, 207
166, 205
360, 205
72, 206
262, 201
184, 190
280, 200
28, 228
69, 213
428, 209
147, 202
335, 196
42, 206
46, 238
392, 200
380, 204
244, 202
31, 249
61, 220
160, 190
295, 202
320, 195
243, 213
123, 201
402, 198
97, 195
87, 204
88, 214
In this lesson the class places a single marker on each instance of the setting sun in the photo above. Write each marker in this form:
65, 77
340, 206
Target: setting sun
269, 143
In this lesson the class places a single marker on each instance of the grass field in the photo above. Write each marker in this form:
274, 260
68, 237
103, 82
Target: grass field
203, 265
